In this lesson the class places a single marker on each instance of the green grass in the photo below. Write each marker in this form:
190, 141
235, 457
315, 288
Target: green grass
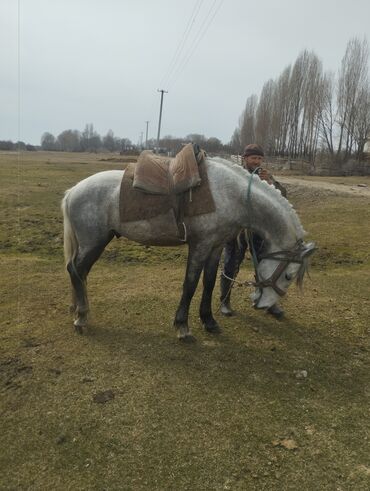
197, 417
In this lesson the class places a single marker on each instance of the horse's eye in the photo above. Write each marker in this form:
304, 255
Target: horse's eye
288, 277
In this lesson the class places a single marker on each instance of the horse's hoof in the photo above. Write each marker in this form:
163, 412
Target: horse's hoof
226, 310
188, 339
212, 328
79, 324
276, 312
79, 329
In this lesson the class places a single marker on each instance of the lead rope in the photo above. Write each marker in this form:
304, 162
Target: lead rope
249, 233
233, 281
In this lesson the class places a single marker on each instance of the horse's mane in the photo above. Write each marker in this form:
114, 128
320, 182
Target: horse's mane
270, 188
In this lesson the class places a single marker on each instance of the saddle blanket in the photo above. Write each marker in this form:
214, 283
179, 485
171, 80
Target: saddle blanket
136, 205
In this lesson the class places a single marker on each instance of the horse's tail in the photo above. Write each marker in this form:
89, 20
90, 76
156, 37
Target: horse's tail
70, 238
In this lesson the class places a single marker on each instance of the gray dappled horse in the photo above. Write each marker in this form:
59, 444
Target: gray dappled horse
92, 219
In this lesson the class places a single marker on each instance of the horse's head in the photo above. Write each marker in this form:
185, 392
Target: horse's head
277, 270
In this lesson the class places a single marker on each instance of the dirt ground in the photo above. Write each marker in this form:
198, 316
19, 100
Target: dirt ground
359, 186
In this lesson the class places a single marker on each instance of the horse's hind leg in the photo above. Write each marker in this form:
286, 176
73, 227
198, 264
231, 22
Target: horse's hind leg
196, 258
193, 270
78, 269
209, 280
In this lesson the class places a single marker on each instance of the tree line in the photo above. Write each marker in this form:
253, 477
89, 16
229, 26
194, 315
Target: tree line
306, 110
173, 145
88, 140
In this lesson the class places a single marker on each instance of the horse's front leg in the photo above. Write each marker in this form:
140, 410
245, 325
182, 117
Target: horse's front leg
196, 260
209, 280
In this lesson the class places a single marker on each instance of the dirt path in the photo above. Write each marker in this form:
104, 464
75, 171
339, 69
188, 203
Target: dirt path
353, 189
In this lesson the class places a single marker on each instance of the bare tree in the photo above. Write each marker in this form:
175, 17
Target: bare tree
235, 142
361, 127
90, 139
48, 141
351, 81
304, 107
247, 122
327, 112
280, 113
264, 135
311, 89
109, 141
213, 145
296, 83
69, 141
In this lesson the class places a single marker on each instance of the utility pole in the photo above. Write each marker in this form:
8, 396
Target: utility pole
141, 140
160, 116
146, 135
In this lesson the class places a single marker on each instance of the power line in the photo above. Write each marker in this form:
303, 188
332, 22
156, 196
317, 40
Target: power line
176, 65
199, 36
183, 40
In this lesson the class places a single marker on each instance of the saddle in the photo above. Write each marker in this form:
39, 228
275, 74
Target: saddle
155, 174
173, 187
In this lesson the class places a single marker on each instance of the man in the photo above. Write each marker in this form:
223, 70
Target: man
235, 249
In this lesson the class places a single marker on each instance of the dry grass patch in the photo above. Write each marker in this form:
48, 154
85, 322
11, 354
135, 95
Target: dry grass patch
228, 412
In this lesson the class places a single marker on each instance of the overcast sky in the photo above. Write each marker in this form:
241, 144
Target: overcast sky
102, 61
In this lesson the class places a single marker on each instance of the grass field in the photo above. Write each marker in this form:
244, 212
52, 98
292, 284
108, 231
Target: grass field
231, 412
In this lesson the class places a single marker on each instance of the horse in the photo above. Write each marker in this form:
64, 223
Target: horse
242, 201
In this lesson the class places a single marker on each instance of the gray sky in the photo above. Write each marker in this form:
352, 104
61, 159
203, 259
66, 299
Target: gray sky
102, 61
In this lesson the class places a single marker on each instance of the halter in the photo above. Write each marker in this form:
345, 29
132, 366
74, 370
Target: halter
284, 258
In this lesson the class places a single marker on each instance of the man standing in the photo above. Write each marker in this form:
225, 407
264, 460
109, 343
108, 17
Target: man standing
235, 249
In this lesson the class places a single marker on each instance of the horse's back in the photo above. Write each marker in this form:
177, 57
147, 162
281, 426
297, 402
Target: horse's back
104, 179
95, 198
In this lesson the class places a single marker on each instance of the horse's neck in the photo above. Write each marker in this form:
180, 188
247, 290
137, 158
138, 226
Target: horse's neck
270, 215
259, 207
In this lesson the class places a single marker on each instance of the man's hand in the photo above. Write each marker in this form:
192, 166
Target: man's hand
264, 175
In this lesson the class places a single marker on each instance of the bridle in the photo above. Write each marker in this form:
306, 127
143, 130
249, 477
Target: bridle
285, 258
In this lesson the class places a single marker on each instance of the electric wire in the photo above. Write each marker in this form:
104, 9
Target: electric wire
181, 55
193, 41
180, 46
196, 41
183, 40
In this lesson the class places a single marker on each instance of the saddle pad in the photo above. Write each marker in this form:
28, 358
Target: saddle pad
137, 205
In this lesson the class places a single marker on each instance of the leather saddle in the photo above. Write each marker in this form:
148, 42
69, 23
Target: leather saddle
155, 174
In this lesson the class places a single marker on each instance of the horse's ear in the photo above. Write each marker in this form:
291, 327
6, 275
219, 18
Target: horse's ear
309, 249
